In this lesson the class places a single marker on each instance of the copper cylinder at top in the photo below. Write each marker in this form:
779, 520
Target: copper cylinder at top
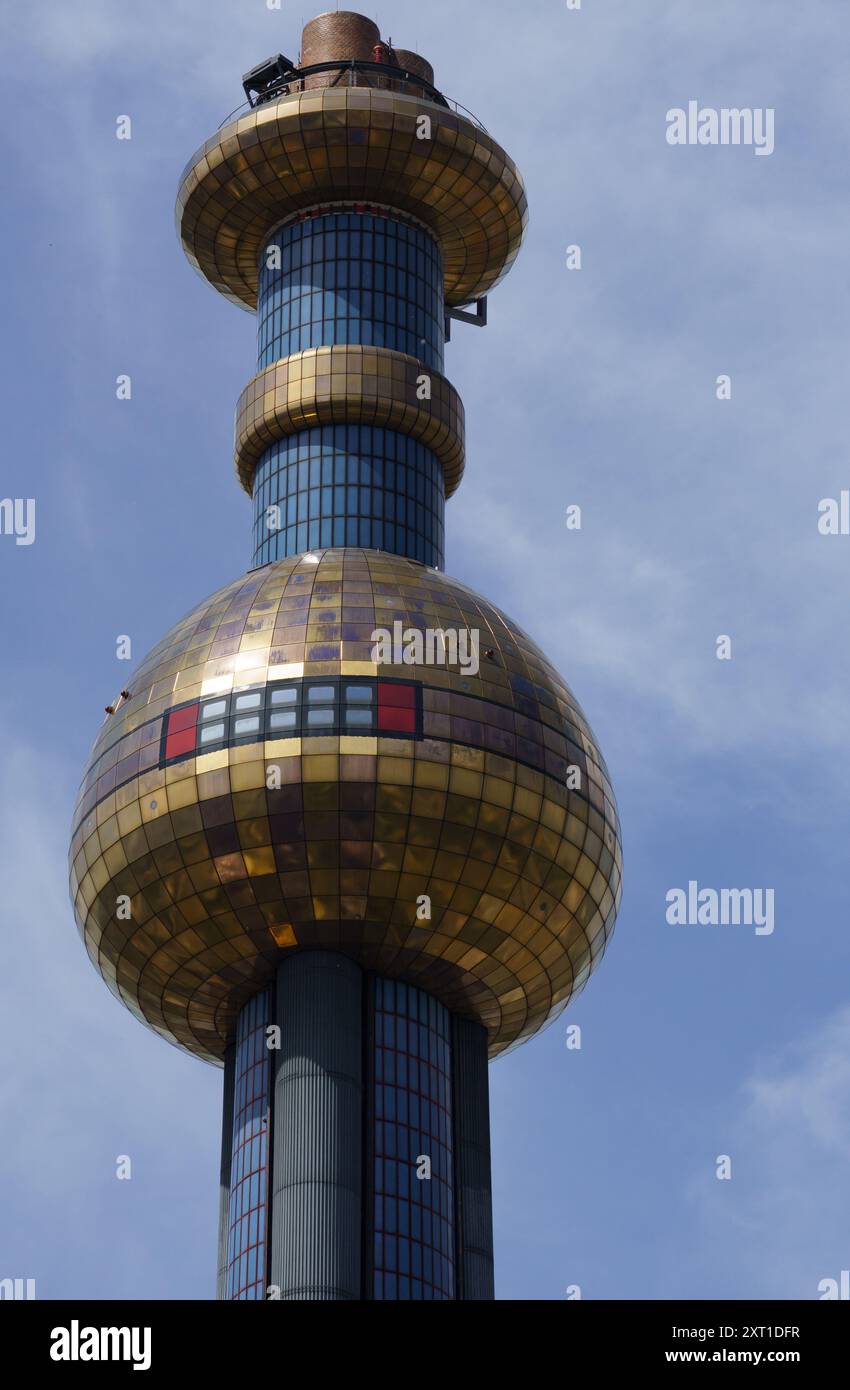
337, 36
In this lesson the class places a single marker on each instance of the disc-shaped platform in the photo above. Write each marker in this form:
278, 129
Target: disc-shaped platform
348, 144
337, 385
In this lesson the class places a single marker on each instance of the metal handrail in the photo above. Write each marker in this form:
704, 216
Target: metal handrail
354, 66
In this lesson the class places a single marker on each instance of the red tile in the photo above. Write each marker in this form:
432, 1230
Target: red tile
403, 696
182, 719
393, 719
181, 742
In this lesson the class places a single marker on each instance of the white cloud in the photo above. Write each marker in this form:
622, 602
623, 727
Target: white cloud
782, 1224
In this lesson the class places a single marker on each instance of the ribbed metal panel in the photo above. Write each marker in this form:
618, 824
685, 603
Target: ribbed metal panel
226, 1153
317, 1155
368, 1221
473, 1183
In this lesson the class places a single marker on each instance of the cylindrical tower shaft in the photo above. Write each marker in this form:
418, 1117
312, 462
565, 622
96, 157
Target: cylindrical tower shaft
316, 1220
411, 1239
333, 278
246, 1114
226, 1168
472, 1161
378, 1179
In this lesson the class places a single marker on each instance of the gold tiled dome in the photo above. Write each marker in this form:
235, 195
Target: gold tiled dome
267, 786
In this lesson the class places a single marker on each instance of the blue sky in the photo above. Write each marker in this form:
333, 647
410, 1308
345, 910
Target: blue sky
699, 518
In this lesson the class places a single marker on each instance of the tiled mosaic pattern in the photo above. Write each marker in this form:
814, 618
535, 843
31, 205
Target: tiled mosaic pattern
223, 872
348, 384
359, 144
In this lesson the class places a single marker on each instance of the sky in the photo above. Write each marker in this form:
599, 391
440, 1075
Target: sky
594, 387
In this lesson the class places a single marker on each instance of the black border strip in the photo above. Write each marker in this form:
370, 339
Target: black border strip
336, 730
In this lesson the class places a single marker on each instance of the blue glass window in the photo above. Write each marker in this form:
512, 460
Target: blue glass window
393, 500
249, 1172
413, 1251
352, 277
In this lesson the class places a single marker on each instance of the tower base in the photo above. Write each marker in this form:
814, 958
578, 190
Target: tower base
356, 1143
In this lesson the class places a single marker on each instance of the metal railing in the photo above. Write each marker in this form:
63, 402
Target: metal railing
353, 72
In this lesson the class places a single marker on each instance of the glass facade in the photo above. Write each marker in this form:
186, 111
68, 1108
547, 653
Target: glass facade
350, 278
249, 1174
413, 1251
349, 485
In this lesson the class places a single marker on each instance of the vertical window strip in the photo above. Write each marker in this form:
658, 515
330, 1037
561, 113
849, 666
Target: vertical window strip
413, 1236
248, 1206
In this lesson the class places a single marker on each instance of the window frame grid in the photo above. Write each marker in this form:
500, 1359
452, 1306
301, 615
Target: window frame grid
352, 277
350, 484
248, 1199
339, 728
411, 1239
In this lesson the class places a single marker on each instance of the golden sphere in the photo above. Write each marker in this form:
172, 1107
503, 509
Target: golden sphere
282, 776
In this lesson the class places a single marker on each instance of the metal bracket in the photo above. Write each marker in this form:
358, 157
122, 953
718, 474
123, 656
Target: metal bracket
478, 319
